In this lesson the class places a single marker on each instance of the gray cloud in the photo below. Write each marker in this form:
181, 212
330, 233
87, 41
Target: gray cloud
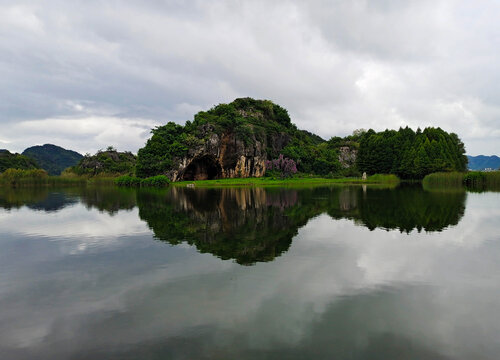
336, 66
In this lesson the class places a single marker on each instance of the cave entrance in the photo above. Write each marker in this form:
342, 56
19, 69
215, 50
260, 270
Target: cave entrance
203, 168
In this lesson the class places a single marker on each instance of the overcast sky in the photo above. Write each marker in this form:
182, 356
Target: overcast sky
88, 74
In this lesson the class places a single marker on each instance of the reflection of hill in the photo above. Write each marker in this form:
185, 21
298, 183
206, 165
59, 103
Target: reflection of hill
255, 224
245, 224
109, 199
36, 198
406, 208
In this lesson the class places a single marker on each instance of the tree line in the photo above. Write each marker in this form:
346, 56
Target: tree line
410, 154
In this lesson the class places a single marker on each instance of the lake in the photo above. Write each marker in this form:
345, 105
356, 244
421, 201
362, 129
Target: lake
350, 272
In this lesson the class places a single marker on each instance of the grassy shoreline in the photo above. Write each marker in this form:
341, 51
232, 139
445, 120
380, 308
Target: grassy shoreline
266, 181
27, 178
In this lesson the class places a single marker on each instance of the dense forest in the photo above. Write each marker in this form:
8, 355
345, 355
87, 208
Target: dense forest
410, 154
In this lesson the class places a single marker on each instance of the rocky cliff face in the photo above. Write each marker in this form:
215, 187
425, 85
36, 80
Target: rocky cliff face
347, 156
226, 156
227, 141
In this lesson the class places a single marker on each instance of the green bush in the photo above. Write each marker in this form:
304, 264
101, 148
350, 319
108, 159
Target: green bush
383, 179
127, 180
155, 181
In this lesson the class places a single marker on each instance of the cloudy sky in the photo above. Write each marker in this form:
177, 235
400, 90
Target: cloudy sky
88, 74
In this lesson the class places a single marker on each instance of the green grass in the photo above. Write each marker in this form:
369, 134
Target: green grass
131, 181
17, 178
268, 181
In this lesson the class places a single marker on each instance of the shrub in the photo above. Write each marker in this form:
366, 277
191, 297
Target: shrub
155, 181
127, 180
383, 179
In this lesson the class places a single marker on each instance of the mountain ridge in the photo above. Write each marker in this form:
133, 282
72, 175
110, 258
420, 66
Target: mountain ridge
481, 162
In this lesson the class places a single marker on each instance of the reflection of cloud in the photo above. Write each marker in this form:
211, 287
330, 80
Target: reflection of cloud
77, 229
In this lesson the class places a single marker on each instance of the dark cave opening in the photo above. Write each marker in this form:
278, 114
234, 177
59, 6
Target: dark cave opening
203, 168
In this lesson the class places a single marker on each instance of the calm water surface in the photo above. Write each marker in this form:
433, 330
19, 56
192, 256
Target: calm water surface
340, 272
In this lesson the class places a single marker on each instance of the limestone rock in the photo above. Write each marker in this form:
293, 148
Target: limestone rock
347, 156
225, 156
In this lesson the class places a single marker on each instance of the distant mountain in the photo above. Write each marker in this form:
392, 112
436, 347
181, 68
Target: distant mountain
482, 162
9, 160
54, 159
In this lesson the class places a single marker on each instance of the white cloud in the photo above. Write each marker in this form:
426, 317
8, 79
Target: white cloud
336, 66
85, 134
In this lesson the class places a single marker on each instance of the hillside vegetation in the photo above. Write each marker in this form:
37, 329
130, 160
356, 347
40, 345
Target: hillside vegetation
406, 153
53, 159
250, 138
259, 123
109, 162
9, 160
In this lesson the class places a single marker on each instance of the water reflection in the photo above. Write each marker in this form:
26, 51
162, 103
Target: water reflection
405, 209
247, 225
256, 224
253, 225
106, 198
343, 283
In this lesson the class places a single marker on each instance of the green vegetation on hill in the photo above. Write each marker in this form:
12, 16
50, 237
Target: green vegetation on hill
109, 162
406, 153
15, 161
54, 159
243, 137
251, 121
409, 154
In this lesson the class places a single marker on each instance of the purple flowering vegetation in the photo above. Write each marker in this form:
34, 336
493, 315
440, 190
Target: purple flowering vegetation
285, 166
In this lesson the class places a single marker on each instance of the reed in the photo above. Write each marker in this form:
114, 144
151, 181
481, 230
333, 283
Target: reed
444, 180
35, 177
472, 180
478, 180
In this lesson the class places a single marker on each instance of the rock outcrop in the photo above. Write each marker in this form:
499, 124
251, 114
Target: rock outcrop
225, 156
227, 141
110, 162
347, 156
